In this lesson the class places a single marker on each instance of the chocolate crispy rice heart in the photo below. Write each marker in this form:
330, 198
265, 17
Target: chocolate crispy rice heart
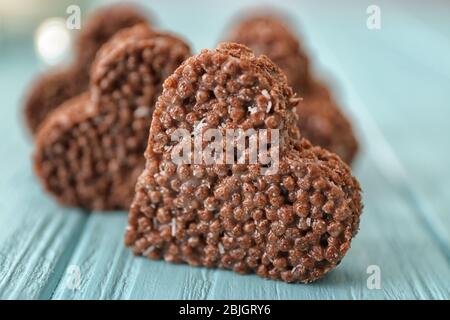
321, 120
295, 224
89, 151
52, 88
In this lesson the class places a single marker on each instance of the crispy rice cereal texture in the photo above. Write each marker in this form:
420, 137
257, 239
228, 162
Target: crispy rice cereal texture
89, 152
321, 120
295, 225
50, 89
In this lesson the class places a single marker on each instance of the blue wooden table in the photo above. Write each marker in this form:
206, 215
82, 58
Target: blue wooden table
395, 85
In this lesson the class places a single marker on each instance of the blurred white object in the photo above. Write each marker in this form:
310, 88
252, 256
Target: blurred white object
52, 40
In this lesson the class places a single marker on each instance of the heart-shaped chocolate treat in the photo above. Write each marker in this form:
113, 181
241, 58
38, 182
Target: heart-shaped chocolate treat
320, 119
229, 181
52, 88
89, 151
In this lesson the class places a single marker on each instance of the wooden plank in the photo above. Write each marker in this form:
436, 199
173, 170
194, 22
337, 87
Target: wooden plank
36, 240
109, 271
391, 237
36, 236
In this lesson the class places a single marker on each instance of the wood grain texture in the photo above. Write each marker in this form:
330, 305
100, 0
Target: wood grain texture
36, 236
394, 88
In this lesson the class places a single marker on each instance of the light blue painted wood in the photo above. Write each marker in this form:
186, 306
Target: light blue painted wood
36, 236
395, 92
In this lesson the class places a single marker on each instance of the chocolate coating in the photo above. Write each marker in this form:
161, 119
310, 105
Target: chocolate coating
89, 151
52, 88
295, 225
321, 120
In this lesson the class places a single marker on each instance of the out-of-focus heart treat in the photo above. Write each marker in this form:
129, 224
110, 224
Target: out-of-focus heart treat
294, 223
267, 35
321, 120
89, 151
50, 89
325, 124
